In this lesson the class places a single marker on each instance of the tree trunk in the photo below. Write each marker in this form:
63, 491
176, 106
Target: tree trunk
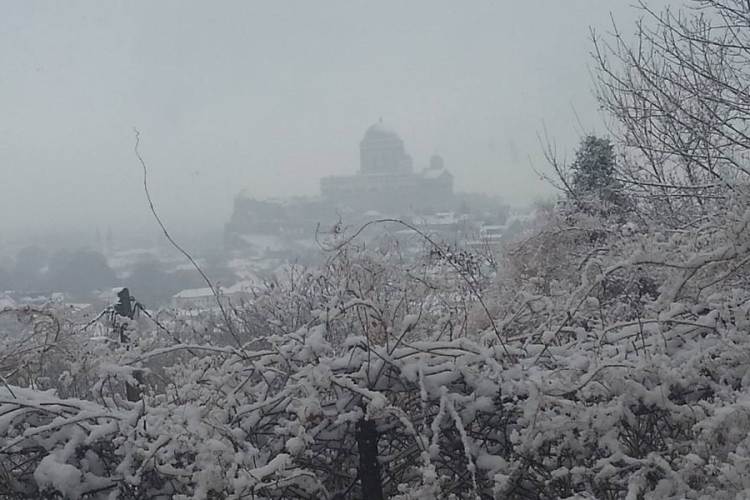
369, 467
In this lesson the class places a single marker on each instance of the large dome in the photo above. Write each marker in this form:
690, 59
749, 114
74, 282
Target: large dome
382, 151
380, 132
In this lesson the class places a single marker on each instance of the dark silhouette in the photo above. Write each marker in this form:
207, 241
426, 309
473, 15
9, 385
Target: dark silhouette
79, 273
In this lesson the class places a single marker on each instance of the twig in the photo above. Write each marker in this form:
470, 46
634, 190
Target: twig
442, 253
211, 286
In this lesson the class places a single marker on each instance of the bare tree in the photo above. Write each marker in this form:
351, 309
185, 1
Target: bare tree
680, 97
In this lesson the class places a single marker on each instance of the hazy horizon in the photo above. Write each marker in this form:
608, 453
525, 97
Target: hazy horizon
272, 96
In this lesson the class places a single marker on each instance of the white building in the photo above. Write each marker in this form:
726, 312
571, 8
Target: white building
204, 298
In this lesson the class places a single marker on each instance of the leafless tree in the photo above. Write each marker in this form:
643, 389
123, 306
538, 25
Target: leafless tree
679, 93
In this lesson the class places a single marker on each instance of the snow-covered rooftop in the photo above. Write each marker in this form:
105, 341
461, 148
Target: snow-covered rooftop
193, 293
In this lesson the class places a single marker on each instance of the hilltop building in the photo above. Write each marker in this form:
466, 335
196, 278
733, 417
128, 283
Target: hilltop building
385, 185
386, 181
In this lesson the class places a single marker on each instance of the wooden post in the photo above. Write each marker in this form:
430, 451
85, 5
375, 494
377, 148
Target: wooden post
369, 467
125, 309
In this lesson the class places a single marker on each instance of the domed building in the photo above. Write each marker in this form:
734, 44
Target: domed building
382, 151
386, 181
386, 184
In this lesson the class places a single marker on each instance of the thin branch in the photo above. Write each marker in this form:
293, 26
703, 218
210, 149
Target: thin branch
211, 286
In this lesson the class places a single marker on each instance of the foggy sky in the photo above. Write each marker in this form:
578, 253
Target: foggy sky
270, 96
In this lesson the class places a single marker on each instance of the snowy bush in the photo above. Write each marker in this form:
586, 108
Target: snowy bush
576, 386
605, 357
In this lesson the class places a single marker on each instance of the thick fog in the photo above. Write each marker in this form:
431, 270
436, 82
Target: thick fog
272, 96
385, 250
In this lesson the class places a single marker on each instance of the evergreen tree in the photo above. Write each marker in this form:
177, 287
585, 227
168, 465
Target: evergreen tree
594, 183
79, 272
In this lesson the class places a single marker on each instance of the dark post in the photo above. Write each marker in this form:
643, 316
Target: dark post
369, 467
125, 309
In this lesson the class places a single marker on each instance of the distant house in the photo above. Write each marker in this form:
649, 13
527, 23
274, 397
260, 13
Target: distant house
492, 231
196, 298
204, 298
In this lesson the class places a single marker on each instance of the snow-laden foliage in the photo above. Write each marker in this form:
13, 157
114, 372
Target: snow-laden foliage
601, 356
602, 362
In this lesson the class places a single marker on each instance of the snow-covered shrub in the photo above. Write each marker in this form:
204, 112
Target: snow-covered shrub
574, 385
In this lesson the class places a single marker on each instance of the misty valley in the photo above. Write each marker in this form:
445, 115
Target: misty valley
375, 252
